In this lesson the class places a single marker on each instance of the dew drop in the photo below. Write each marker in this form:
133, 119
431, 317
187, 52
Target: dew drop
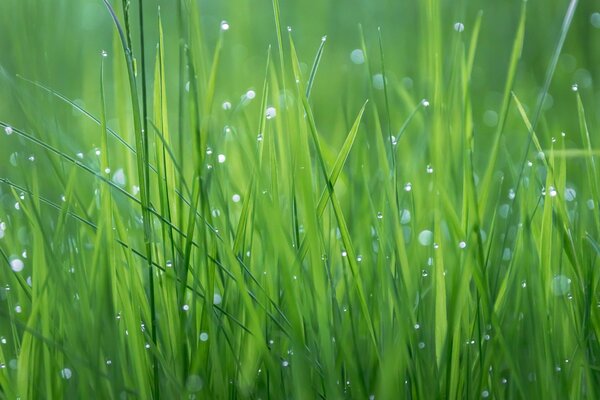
429, 169
425, 237
595, 20
221, 158
224, 25
16, 264
226, 105
217, 299
378, 81
574, 87
285, 363
250, 94
511, 193
204, 337
270, 113
459, 27
104, 53
380, 215
590, 204
119, 177
560, 285
357, 56
408, 187
194, 383
8, 130
13, 159
66, 373
404, 216
485, 394
425, 103
503, 210
421, 345
462, 244
570, 194
236, 198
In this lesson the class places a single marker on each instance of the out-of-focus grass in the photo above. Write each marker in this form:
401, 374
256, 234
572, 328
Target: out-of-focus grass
315, 199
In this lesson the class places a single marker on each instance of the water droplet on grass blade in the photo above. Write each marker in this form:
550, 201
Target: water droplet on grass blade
194, 383
270, 113
425, 237
204, 337
574, 87
236, 198
595, 20
459, 27
590, 204
404, 216
357, 56
378, 81
217, 299
408, 187
226, 105
119, 177
221, 158
560, 285
16, 264
66, 373
570, 194
8, 130
503, 210
224, 25
13, 159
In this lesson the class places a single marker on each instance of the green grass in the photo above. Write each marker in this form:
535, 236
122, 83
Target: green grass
320, 199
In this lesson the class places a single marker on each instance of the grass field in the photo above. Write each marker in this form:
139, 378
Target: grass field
311, 199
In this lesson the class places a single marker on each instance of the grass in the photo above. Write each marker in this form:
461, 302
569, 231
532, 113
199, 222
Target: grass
198, 201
